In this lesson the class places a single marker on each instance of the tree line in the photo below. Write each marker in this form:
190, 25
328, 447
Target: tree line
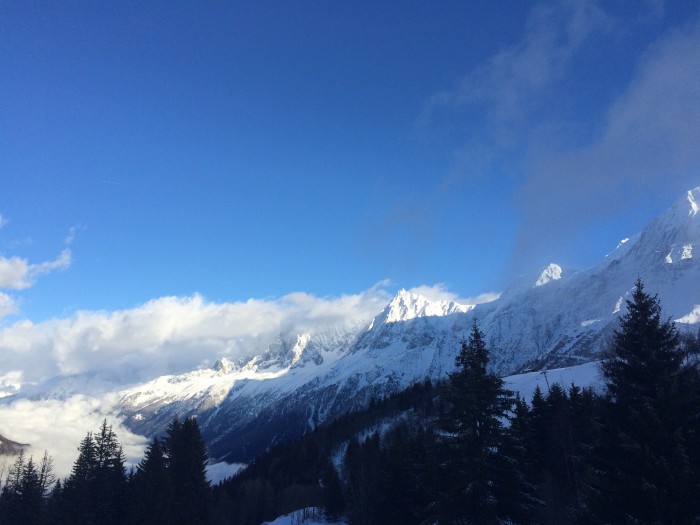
466, 450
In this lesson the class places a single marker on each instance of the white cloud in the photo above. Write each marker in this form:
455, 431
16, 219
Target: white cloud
3, 221
171, 334
482, 298
8, 305
10, 383
13, 273
439, 292
17, 273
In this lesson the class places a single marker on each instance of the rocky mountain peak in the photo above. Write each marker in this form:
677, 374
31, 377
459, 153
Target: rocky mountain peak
407, 305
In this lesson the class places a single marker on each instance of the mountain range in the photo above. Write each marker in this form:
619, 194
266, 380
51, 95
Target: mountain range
548, 319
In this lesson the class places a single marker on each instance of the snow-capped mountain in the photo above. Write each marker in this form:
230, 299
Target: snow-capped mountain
551, 318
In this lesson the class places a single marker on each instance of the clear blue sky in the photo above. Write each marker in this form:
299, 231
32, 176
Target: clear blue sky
252, 149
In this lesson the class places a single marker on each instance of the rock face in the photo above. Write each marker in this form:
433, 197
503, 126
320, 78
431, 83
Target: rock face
551, 319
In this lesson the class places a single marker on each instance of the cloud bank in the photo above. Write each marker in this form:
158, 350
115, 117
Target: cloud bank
170, 335
80, 363
58, 426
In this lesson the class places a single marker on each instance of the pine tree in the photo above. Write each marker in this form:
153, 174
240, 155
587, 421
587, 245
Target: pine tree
10, 505
95, 490
54, 506
333, 500
645, 472
187, 461
479, 469
30, 496
362, 470
78, 489
151, 492
110, 477
22, 498
520, 501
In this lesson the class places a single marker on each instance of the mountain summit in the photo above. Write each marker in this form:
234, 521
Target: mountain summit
408, 305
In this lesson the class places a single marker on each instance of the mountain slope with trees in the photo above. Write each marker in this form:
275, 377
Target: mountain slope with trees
464, 450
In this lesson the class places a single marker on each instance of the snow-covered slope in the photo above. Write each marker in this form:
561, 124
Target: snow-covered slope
548, 319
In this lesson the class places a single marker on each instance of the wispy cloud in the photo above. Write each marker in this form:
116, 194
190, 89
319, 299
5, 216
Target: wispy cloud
649, 144
72, 233
439, 292
515, 115
17, 273
510, 85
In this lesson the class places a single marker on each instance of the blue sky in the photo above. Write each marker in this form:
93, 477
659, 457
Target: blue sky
254, 149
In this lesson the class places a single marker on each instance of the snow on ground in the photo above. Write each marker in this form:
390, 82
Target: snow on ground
218, 472
309, 516
586, 375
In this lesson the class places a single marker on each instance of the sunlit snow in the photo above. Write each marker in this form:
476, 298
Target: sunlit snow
551, 273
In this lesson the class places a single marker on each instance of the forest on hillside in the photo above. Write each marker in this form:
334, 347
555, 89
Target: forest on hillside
463, 451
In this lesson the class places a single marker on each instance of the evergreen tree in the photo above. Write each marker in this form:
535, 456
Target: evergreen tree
110, 477
187, 461
479, 470
30, 496
333, 500
520, 502
77, 501
151, 493
363, 480
10, 504
54, 505
95, 490
645, 472
22, 498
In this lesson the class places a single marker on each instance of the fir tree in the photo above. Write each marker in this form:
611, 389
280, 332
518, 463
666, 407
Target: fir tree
478, 469
333, 500
645, 472
187, 461
30, 497
22, 498
10, 505
95, 490
110, 477
151, 492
